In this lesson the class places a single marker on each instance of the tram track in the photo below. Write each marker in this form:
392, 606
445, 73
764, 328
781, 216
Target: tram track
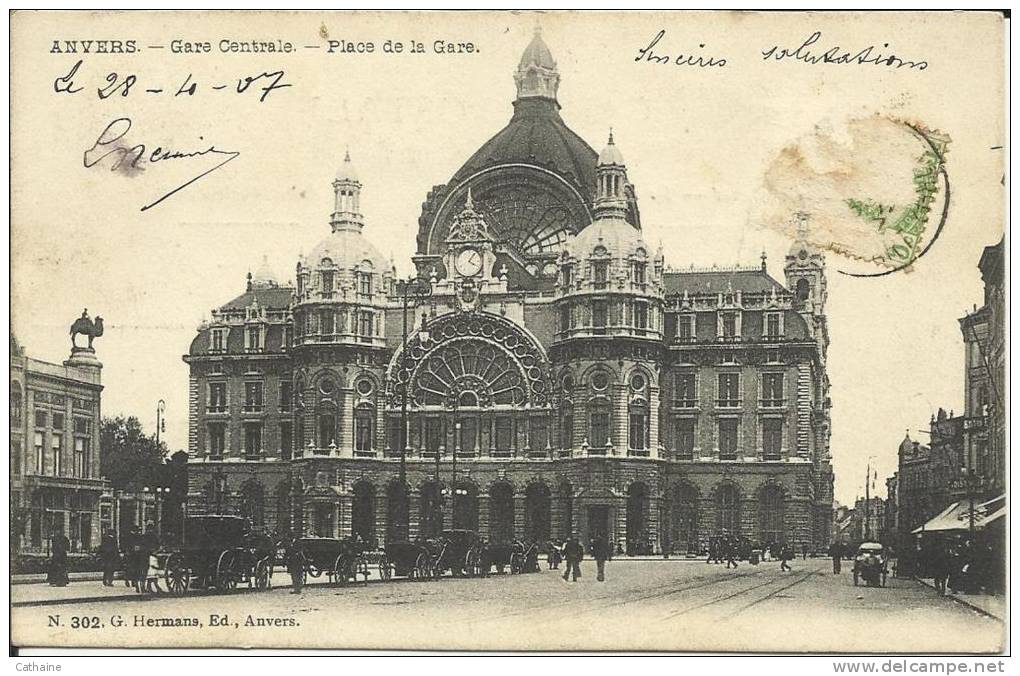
803, 578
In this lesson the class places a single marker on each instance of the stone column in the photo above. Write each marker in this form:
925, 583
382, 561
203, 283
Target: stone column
484, 528
653, 422
413, 514
653, 522
346, 516
345, 431
519, 507
620, 521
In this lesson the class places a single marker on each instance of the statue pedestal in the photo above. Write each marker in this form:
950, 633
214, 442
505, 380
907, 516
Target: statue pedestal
83, 357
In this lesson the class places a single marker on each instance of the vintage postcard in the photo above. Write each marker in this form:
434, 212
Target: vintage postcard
509, 330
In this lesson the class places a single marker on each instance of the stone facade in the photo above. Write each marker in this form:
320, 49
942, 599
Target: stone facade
55, 477
545, 374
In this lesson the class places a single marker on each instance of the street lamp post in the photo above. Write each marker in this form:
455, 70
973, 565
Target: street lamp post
412, 291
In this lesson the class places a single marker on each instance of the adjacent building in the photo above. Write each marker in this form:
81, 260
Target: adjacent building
547, 374
54, 472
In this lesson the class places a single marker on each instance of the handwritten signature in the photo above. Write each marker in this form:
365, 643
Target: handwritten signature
131, 158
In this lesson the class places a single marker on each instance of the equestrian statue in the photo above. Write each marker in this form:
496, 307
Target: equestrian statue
86, 327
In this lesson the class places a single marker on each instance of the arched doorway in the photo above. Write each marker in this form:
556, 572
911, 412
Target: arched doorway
727, 507
637, 519
771, 516
685, 519
501, 513
397, 512
537, 513
431, 509
465, 514
363, 511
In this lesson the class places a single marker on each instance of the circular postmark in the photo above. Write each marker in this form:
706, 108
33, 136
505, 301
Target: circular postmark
875, 193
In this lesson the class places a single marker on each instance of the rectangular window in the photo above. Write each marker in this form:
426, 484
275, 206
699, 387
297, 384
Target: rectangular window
58, 421
565, 318
286, 440
253, 439
728, 439
326, 322
599, 426
218, 340
503, 436
567, 429
40, 418
686, 390
365, 284
82, 426
538, 430
601, 275
685, 439
81, 446
640, 315
639, 273
286, 395
39, 462
773, 328
638, 424
599, 318
729, 390
217, 397
772, 390
217, 439
253, 401
434, 434
327, 283
365, 324
685, 327
729, 324
567, 277
57, 446
772, 438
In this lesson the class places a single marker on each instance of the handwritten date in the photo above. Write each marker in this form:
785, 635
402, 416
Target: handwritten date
125, 85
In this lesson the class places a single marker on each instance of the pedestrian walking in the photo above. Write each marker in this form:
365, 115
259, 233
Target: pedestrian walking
600, 551
730, 547
836, 552
573, 553
785, 554
57, 575
555, 556
941, 566
296, 566
110, 556
803, 550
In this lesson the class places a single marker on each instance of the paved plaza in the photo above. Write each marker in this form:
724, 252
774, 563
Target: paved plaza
643, 605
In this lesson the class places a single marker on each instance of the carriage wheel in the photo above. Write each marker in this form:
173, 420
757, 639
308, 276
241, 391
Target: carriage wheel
177, 577
341, 571
225, 579
516, 563
360, 568
385, 572
262, 575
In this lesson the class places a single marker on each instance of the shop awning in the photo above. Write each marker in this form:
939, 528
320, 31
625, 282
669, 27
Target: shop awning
956, 517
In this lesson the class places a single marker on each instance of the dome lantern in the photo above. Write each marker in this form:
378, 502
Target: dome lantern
611, 183
536, 75
347, 198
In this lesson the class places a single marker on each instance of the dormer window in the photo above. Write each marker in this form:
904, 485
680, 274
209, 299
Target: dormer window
218, 340
729, 325
685, 327
773, 324
600, 274
327, 283
638, 273
253, 339
365, 283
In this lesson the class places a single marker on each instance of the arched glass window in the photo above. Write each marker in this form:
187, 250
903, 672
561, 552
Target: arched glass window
685, 520
638, 428
567, 427
16, 405
727, 510
803, 289
327, 429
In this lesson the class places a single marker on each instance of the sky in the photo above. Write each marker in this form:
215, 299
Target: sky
698, 143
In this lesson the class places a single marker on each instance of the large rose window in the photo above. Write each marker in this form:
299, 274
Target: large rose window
471, 361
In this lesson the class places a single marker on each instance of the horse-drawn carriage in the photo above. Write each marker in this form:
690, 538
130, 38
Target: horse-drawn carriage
341, 560
519, 556
463, 554
413, 560
217, 552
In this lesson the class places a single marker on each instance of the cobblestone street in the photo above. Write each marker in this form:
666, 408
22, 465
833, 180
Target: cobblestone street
643, 605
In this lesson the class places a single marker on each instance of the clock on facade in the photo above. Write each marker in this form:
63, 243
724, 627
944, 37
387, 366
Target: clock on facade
469, 262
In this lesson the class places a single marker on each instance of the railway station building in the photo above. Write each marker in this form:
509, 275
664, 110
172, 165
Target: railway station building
547, 373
